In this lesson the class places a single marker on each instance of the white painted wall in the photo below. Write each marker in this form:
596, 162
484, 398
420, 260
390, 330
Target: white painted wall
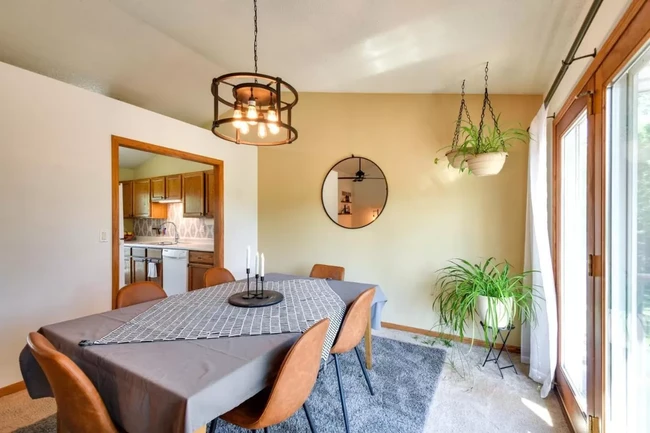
55, 184
331, 194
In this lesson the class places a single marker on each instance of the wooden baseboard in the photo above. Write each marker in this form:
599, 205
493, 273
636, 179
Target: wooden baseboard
567, 418
429, 333
10, 389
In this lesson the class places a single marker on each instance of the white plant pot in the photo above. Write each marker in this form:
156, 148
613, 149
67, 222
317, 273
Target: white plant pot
455, 158
503, 308
487, 164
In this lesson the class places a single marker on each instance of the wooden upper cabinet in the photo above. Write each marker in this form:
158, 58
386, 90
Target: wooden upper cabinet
193, 194
173, 187
141, 198
210, 193
157, 188
127, 199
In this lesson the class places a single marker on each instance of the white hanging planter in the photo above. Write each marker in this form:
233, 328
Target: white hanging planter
455, 158
487, 308
486, 164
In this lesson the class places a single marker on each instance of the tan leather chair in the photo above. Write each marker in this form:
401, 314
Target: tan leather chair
80, 409
215, 276
137, 293
328, 272
291, 388
350, 335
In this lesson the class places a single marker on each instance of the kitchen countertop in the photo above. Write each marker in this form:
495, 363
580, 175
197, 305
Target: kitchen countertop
153, 242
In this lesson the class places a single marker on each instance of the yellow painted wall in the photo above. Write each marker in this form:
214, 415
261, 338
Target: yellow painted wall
126, 174
433, 213
161, 165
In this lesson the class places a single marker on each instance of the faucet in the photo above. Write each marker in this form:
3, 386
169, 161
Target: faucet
175, 230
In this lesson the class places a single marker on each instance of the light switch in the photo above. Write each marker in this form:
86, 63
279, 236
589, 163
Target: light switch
103, 236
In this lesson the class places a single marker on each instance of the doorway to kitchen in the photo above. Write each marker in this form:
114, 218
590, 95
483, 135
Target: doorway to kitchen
166, 204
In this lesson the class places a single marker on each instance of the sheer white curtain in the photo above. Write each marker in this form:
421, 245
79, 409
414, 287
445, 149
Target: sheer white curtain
539, 341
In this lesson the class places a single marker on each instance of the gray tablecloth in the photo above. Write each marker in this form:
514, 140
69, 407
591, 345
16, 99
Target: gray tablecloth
174, 386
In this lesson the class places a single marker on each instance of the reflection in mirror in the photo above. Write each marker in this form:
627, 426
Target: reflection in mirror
354, 192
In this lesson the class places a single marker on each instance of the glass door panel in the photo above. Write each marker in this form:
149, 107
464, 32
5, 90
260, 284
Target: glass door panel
573, 250
628, 231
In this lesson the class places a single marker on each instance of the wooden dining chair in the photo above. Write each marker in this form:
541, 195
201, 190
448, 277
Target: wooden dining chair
215, 276
350, 335
80, 409
137, 293
328, 272
291, 388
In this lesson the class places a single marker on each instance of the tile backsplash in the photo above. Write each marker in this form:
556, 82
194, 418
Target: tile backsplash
188, 228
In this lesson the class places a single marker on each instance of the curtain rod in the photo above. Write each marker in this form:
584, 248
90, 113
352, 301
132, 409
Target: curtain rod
572, 51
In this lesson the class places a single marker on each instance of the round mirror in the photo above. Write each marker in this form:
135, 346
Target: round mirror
354, 192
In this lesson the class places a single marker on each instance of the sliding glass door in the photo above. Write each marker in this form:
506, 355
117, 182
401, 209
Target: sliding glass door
628, 236
572, 206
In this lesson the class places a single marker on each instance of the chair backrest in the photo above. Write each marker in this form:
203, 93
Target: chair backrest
215, 276
137, 293
354, 323
328, 272
297, 375
80, 409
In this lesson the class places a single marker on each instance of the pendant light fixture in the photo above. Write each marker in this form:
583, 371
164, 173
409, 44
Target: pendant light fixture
256, 107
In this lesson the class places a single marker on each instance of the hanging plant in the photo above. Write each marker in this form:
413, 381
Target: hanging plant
486, 147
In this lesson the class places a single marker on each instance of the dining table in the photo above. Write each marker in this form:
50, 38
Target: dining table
176, 386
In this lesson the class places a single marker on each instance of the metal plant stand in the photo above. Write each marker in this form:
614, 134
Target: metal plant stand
499, 333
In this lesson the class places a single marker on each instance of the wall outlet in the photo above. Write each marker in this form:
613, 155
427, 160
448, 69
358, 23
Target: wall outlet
103, 236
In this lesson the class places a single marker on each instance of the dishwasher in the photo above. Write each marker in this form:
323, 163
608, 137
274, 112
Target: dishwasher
175, 263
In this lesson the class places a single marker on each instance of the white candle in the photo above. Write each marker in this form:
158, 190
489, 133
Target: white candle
257, 263
262, 266
248, 257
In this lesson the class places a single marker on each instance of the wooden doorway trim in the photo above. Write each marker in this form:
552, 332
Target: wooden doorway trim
217, 205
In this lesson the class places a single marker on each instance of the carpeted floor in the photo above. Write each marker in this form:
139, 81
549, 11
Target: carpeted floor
478, 400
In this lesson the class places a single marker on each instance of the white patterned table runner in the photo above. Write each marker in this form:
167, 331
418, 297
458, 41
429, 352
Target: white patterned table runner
206, 313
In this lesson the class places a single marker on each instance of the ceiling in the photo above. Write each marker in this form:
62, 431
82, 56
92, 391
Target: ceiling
132, 158
163, 54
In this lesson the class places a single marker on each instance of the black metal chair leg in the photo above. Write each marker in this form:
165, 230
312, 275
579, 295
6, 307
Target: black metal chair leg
212, 428
365, 372
309, 420
266, 430
345, 409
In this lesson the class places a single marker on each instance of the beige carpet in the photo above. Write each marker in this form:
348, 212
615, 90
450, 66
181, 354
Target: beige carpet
477, 400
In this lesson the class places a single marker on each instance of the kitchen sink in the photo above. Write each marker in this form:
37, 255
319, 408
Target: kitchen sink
160, 243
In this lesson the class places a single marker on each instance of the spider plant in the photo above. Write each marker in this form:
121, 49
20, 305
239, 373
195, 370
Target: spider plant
491, 139
462, 283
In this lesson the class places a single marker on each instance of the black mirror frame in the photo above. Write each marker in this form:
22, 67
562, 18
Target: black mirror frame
323, 187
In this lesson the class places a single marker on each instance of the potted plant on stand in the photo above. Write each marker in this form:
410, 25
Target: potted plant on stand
487, 290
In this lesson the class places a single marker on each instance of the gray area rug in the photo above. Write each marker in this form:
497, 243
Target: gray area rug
404, 376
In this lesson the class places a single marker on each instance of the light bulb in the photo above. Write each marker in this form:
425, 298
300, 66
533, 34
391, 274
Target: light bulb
243, 128
237, 115
251, 114
273, 118
261, 130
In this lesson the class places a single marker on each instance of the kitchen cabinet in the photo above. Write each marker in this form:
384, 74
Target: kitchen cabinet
142, 204
154, 255
141, 199
199, 263
127, 266
193, 194
139, 269
127, 198
157, 188
210, 194
173, 187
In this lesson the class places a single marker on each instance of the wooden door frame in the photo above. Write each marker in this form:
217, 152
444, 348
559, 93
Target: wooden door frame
217, 205
631, 33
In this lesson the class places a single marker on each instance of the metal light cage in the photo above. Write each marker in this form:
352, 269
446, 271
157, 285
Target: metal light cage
268, 92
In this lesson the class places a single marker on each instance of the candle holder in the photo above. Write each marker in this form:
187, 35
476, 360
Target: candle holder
259, 298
